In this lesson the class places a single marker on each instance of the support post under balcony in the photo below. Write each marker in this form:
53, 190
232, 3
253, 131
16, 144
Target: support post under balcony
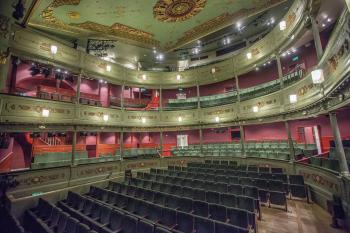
122, 97
121, 143
161, 142
344, 169
290, 142
198, 97
317, 38
237, 88
160, 99
74, 145
201, 140
280, 72
77, 101
242, 140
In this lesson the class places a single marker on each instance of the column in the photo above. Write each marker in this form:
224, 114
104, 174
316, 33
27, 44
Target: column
344, 169
74, 145
201, 139
78, 89
237, 87
241, 129
13, 80
279, 68
290, 142
198, 97
8, 20
122, 97
161, 142
160, 99
121, 142
317, 39
97, 144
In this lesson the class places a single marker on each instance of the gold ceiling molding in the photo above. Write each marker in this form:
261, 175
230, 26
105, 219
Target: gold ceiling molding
218, 22
49, 17
177, 10
119, 30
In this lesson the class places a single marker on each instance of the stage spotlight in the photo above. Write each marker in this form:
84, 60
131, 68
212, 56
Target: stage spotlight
19, 10
59, 76
46, 72
34, 70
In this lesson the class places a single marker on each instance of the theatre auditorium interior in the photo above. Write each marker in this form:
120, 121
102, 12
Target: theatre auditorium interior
174, 116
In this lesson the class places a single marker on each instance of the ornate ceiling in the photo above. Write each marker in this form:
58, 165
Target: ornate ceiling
167, 24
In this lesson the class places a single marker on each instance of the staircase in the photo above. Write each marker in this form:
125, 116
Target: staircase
50, 141
154, 103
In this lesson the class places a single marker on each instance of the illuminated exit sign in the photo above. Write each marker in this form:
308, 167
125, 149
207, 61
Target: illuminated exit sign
296, 58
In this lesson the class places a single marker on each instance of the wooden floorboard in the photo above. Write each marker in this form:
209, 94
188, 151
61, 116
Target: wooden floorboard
300, 218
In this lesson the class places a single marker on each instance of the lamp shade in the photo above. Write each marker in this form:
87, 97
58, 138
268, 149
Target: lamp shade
317, 76
293, 98
283, 25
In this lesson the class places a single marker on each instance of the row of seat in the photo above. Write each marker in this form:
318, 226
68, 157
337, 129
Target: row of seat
221, 182
213, 168
244, 198
227, 175
331, 164
295, 187
9, 223
197, 208
47, 218
151, 209
230, 165
273, 193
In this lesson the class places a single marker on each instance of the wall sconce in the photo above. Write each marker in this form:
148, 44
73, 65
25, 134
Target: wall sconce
255, 109
283, 25
53, 49
249, 56
178, 77
317, 76
108, 68
105, 117
143, 119
45, 112
179, 118
217, 119
293, 98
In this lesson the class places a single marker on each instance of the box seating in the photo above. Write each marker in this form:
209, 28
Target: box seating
56, 159
139, 152
332, 162
231, 97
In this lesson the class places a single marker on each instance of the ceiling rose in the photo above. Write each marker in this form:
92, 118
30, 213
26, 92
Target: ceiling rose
177, 10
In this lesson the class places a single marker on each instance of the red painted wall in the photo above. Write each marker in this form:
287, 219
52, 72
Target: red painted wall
217, 135
171, 94
265, 74
273, 131
217, 88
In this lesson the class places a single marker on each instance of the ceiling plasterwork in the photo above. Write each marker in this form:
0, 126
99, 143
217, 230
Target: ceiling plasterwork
177, 10
166, 24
